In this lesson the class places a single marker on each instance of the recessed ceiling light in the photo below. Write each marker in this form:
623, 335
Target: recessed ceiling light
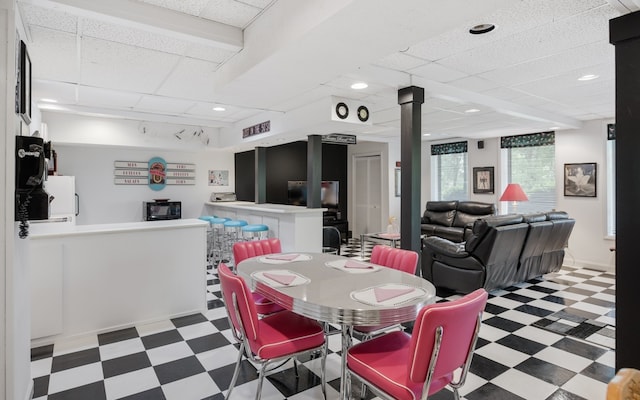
472, 110
427, 134
359, 85
219, 109
482, 28
553, 128
49, 100
588, 77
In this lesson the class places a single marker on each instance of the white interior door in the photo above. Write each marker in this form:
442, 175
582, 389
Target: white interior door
367, 194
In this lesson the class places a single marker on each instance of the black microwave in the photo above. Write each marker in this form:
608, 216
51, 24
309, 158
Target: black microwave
161, 210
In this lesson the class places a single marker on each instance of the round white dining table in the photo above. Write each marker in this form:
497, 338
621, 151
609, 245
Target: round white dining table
325, 290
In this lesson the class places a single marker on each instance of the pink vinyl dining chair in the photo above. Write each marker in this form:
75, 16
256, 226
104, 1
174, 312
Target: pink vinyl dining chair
400, 366
400, 259
254, 248
271, 339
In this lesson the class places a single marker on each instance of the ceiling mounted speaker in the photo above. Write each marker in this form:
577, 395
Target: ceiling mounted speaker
349, 110
363, 113
342, 110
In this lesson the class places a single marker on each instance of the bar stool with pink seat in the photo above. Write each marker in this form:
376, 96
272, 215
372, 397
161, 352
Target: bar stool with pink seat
267, 340
244, 250
400, 366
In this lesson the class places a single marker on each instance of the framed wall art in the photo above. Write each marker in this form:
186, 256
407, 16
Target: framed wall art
23, 89
483, 180
580, 179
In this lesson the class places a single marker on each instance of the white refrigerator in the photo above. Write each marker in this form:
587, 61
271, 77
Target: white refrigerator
64, 203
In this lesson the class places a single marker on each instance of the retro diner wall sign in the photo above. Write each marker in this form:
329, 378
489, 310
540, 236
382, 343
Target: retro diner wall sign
157, 173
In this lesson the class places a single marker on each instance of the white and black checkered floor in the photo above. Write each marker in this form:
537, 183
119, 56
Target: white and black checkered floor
549, 338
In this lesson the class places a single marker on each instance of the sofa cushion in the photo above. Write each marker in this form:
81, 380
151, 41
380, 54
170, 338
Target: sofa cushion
476, 208
444, 218
555, 215
454, 234
533, 218
481, 226
463, 219
442, 205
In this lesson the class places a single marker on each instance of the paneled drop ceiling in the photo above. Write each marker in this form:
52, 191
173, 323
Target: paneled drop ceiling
173, 61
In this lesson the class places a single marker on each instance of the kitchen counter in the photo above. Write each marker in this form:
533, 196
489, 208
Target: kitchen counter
96, 278
299, 228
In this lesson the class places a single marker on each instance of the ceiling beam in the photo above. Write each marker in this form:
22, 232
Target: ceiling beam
625, 6
153, 19
462, 96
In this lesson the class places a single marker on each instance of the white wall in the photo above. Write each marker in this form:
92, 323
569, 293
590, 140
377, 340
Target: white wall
15, 362
102, 201
588, 244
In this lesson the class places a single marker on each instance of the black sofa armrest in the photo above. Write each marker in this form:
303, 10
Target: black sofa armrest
446, 247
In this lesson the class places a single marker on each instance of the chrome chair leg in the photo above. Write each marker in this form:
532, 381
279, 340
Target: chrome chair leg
260, 381
236, 372
323, 371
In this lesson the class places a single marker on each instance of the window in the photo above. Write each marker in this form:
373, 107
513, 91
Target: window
611, 180
449, 171
531, 163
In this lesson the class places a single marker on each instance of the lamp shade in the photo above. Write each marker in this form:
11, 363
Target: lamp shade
513, 192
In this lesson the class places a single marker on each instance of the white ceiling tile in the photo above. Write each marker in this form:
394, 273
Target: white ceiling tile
579, 57
133, 37
100, 97
192, 7
437, 72
54, 55
230, 12
62, 92
552, 38
47, 18
475, 84
208, 53
163, 104
191, 79
400, 62
517, 17
258, 3
119, 66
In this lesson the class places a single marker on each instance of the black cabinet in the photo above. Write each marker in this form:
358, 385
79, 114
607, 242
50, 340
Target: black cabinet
341, 224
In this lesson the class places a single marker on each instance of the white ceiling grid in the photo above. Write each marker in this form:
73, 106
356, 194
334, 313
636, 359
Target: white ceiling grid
522, 76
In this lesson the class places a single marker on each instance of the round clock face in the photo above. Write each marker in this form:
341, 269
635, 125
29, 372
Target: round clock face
363, 113
342, 110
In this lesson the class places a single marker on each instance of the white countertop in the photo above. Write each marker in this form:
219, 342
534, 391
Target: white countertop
47, 230
265, 207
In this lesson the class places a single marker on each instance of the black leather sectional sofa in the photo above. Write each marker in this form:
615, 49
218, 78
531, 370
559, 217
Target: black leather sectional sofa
453, 219
501, 251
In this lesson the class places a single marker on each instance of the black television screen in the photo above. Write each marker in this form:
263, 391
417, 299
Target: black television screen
329, 193
297, 193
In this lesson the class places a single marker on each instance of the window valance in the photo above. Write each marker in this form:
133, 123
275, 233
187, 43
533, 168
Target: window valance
529, 140
448, 148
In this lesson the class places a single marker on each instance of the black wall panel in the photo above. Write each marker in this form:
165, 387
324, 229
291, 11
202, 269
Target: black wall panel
245, 175
288, 162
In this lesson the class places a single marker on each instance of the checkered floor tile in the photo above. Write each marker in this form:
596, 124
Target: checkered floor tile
518, 356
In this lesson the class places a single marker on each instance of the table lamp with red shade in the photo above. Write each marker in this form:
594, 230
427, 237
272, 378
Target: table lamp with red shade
514, 192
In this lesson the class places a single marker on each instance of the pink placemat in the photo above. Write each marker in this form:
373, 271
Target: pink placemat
390, 235
285, 279
358, 265
280, 278
353, 266
285, 257
388, 294
383, 294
